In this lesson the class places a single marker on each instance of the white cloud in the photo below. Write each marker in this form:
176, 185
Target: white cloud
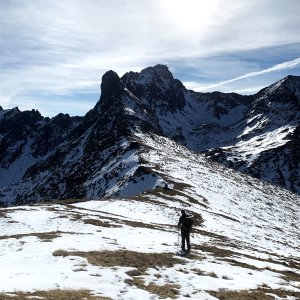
62, 47
278, 67
4, 100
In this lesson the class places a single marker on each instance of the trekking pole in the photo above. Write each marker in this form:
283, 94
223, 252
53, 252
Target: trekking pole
178, 241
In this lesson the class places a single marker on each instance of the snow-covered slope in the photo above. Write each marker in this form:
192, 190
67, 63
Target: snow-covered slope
97, 155
95, 158
199, 121
268, 147
26, 138
256, 134
245, 243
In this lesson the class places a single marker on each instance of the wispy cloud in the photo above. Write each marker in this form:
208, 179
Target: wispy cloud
54, 48
278, 67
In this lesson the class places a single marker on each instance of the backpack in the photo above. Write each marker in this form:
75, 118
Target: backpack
187, 222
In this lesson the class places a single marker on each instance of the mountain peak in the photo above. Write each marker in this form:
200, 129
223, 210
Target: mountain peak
111, 84
293, 78
159, 74
290, 79
110, 75
158, 71
162, 69
284, 90
157, 87
293, 83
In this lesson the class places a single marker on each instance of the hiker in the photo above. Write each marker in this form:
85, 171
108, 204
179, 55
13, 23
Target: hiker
185, 224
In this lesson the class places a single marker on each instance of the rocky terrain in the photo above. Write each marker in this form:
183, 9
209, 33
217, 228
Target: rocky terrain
97, 155
91, 204
245, 241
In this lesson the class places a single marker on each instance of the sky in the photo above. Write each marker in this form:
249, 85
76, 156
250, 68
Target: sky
53, 53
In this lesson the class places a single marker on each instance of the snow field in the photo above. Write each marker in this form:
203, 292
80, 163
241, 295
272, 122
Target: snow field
248, 238
28, 262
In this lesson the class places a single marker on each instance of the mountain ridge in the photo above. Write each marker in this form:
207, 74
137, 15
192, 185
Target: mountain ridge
245, 241
246, 133
106, 191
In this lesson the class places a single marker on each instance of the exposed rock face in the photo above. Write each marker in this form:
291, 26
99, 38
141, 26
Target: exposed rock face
268, 146
253, 134
97, 155
157, 87
26, 137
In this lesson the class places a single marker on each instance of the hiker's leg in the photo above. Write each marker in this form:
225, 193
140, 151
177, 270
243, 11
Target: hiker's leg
183, 240
188, 241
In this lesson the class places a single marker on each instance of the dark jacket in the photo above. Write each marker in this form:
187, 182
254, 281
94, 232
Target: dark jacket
183, 223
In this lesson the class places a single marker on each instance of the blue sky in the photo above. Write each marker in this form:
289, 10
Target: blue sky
54, 53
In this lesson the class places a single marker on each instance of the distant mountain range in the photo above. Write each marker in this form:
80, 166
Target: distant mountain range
102, 154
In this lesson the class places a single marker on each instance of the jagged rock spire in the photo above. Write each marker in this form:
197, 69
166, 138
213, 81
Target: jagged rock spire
111, 85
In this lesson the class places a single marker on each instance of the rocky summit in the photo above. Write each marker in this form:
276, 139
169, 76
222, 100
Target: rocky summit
100, 155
